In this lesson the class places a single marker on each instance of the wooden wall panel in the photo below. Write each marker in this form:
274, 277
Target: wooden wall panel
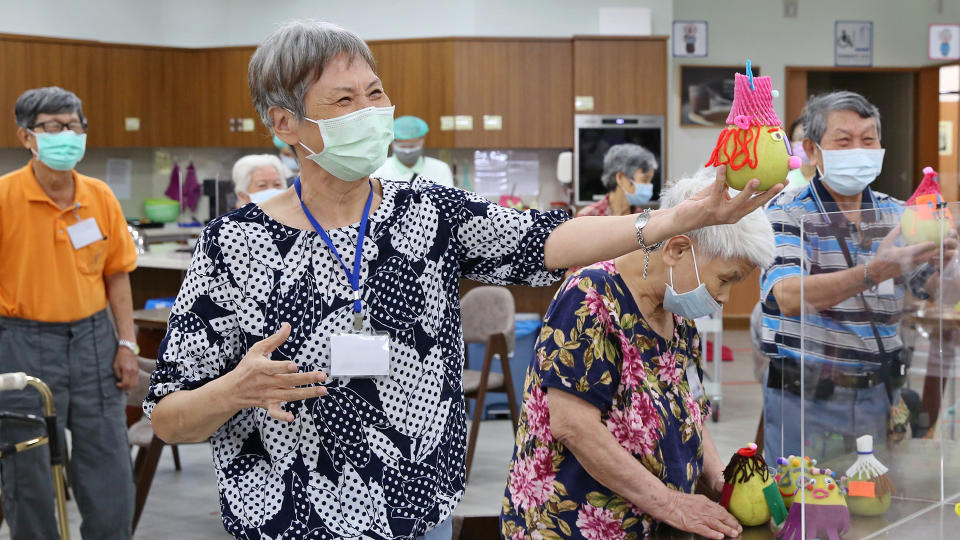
796, 94
418, 78
526, 82
927, 120
624, 76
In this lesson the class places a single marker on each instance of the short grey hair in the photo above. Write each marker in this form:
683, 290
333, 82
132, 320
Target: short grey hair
244, 167
292, 58
46, 100
625, 158
814, 116
750, 238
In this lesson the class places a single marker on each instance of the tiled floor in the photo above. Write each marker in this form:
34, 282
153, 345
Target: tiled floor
184, 504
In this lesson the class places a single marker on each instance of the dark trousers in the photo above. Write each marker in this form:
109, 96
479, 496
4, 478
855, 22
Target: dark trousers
76, 361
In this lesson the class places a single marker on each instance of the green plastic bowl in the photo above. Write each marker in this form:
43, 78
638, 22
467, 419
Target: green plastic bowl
161, 210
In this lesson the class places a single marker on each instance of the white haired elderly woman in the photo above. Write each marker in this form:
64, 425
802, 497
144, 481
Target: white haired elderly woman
317, 336
258, 177
628, 171
611, 441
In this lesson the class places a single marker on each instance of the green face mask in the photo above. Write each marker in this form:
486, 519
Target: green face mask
60, 151
355, 144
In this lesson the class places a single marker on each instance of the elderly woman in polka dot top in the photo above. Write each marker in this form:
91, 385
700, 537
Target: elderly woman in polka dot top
317, 340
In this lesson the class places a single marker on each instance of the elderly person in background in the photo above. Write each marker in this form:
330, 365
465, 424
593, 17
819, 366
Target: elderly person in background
258, 177
628, 171
802, 176
65, 254
317, 337
408, 161
611, 440
853, 289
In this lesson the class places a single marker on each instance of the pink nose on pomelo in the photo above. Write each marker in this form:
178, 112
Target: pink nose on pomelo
795, 162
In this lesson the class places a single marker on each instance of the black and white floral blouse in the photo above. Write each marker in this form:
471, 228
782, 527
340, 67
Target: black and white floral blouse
375, 458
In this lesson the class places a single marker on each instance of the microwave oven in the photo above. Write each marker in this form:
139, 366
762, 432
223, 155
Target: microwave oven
594, 134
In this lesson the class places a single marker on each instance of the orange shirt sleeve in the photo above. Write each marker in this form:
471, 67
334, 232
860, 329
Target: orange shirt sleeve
122, 254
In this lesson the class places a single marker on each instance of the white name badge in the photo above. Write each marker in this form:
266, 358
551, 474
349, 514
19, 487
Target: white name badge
696, 389
359, 355
84, 233
885, 288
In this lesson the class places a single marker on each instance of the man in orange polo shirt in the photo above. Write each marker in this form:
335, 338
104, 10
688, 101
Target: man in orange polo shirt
64, 254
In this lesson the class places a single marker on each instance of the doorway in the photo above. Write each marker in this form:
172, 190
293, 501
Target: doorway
909, 114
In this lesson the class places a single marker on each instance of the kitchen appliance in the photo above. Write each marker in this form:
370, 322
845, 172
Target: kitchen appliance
594, 134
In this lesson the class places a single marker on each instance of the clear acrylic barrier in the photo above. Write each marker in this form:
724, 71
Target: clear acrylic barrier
877, 362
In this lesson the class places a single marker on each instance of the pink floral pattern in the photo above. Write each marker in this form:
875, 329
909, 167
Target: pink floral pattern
531, 479
637, 427
598, 524
596, 345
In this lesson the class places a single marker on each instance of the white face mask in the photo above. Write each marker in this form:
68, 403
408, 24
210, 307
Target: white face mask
693, 304
264, 194
849, 172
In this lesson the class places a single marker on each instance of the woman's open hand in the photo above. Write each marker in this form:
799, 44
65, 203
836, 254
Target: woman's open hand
261, 382
713, 205
699, 515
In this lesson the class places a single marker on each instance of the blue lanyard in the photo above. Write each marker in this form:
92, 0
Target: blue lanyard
355, 275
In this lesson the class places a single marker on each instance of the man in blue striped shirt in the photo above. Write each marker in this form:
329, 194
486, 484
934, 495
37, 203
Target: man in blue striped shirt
836, 289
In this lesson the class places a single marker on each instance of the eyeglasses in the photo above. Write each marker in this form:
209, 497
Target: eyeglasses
55, 126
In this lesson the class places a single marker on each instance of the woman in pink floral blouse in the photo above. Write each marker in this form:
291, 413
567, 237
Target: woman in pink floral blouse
612, 441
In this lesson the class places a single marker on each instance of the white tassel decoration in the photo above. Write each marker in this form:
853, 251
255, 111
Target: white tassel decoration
867, 466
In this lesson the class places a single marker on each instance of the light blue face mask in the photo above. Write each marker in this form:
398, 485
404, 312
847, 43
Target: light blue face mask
642, 193
60, 151
693, 304
849, 172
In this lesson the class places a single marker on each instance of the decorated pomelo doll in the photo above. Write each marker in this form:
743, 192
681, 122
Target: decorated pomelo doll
926, 218
868, 486
749, 492
821, 506
788, 472
754, 144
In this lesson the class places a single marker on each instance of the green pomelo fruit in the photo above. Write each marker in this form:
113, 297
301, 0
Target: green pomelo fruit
748, 504
868, 506
917, 230
773, 164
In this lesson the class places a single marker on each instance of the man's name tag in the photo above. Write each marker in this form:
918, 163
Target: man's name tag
696, 389
359, 355
84, 233
885, 288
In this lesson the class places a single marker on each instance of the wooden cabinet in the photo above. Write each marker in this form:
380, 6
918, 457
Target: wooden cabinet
417, 75
525, 82
198, 97
624, 75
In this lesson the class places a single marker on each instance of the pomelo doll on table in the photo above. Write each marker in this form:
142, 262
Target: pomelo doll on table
754, 144
926, 217
819, 509
749, 490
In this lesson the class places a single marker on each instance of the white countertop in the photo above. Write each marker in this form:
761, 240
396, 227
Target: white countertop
171, 260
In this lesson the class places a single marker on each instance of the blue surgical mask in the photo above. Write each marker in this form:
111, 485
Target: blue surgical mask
642, 193
693, 304
355, 144
60, 151
264, 194
849, 172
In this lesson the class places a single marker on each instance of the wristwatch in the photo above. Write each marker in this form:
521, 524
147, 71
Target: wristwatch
867, 280
130, 345
639, 224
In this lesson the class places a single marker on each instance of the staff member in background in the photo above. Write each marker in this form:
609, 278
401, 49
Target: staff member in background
851, 340
408, 161
258, 177
64, 254
289, 159
358, 278
627, 174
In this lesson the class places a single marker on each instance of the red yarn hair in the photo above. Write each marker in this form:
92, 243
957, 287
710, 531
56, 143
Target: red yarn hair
744, 148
